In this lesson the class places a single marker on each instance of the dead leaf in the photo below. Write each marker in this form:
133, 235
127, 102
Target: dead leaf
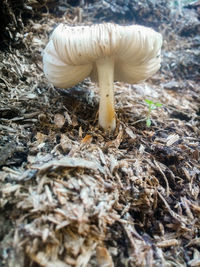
103, 257
87, 139
40, 137
59, 120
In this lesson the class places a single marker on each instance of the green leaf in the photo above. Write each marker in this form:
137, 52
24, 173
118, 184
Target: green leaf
149, 102
148, 122
157, 104
152, 103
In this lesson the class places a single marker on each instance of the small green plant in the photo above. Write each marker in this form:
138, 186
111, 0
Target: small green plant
151, 106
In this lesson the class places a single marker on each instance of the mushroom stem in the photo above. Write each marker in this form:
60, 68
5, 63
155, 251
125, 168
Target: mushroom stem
105, 70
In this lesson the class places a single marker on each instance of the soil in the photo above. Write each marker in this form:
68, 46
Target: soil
73, 195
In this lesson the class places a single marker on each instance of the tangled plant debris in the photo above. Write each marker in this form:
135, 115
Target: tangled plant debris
71, 195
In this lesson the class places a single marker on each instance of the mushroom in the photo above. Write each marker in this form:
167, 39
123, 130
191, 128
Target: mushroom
105, 53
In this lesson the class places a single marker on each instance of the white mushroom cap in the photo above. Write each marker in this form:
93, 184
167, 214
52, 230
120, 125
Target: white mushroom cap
74, 53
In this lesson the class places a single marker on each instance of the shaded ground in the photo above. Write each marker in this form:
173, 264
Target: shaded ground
70, 195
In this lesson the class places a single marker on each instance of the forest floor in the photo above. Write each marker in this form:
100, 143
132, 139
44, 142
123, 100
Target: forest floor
71, 195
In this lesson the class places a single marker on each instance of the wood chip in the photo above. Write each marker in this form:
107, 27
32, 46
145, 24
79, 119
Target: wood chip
68, 162
168, 243
171, 139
